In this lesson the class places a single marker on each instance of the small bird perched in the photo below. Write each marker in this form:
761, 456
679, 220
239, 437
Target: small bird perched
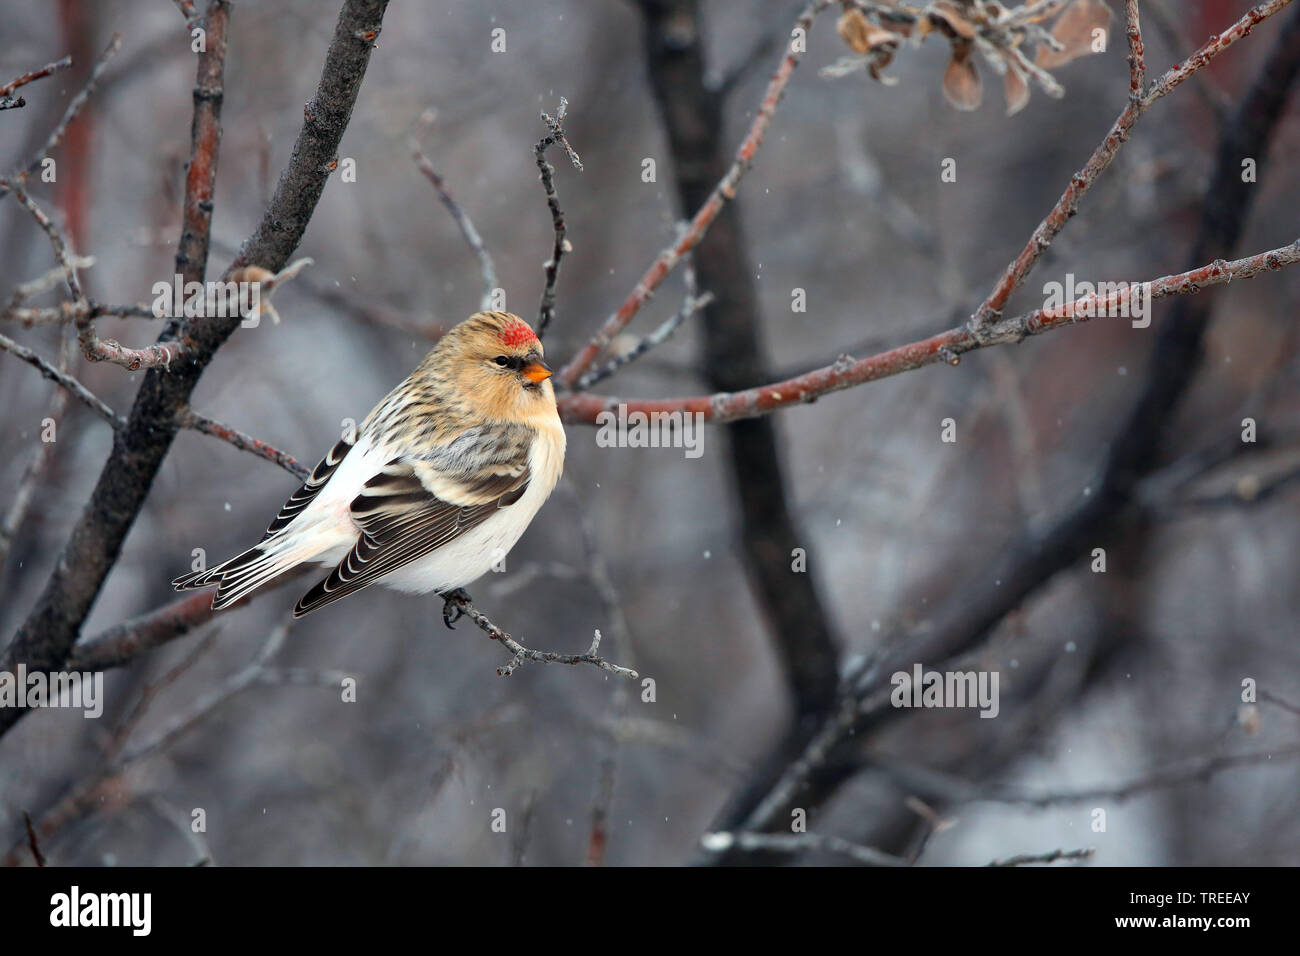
437, 484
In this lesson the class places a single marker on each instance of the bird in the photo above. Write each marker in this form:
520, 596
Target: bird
434, 487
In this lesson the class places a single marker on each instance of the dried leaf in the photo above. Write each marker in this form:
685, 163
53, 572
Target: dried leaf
1016, 90
1074, 30
946, 17
961, 81
877, 44
853, 28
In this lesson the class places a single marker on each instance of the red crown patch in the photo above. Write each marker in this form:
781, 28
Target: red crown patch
516, 333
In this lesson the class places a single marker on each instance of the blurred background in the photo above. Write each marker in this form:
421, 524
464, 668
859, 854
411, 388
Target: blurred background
1105, 678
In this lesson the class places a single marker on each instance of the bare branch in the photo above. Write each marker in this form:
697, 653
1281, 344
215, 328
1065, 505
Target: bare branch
22, 499
668, 259
463, 222
690, 305
797, 844
1047, 231
69, 114
46, 637
122, 643
94, 349
1051, 857
7, 102
546, 311
78, 391
201, 423
523, 654
946, 347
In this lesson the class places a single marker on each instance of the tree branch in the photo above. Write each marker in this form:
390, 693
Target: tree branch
7, 102
46, 637
546, 310
201, 423
690, 237
463, 222
1041, 239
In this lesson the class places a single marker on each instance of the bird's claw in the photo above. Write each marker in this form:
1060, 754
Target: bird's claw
452, 611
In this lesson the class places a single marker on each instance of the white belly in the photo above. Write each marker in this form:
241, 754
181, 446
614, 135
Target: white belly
456, 564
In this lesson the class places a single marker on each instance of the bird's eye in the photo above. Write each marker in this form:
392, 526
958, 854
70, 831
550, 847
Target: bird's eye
502, 361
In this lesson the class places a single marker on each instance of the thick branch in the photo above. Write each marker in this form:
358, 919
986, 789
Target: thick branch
945, 347
47, 636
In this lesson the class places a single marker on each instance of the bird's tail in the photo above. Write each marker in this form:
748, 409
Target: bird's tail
244, 573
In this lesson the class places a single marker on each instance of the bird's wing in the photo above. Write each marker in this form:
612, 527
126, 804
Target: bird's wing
317, 480
413, 507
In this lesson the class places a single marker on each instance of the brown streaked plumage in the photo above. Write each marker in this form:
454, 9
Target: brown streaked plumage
437, 484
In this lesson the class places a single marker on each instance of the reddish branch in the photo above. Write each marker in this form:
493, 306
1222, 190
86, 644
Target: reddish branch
462, 220
970, 612
945, 347
1136, 52
121, 643
69, 114
205, 141
200, 423
7, 90
690, 237
1068, 204
93, 347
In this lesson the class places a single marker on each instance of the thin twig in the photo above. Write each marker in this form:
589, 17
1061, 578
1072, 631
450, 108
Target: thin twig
79, 391
1047, 231
795, 844
69, 114
188, 11
946, 347
1136, 53
463, 222
690, 237
690, 305
1051, 857
22, 499
201, 423
1198, 771
556, 137
32, 842
92, 347
6, 99
521, 654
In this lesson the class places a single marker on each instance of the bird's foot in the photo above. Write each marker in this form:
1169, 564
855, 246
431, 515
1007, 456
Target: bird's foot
451, 606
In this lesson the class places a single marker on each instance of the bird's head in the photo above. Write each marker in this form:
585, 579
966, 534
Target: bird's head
497, 360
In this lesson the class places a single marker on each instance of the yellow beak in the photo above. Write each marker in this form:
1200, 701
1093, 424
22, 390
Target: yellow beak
537, 371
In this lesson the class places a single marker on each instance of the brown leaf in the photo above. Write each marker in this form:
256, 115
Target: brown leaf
961, 81
1016, 90
946, 17
876, 43
1074, 29
855, 29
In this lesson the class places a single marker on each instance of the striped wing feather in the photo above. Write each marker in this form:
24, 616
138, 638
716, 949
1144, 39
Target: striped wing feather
401, 521
317, 480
